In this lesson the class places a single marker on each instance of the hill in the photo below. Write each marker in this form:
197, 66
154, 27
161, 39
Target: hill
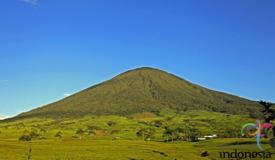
143, 90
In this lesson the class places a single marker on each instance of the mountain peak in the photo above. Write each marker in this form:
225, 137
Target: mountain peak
143, 89
143, 70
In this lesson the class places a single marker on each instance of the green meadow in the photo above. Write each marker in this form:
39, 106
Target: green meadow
145, 136
95, 149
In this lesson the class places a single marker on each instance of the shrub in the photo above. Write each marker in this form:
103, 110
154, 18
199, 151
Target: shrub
145, 133
58, 135
157, 123
111, 123
92, 130
80, 132
114, 132
25, 137
34, 134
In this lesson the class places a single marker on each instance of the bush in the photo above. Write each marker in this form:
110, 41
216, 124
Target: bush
75, 136
58, 135
145, 133
91, 130
34, 134
157, 123
114, 132
29, 136
80, 132
111, 123
25, 137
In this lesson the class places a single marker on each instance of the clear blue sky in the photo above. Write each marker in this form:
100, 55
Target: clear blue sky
49, 48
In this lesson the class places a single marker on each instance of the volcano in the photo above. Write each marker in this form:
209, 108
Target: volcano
143, 90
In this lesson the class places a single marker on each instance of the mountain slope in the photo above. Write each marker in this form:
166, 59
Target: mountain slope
140, 90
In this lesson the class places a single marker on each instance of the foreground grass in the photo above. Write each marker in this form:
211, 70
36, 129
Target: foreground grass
118, 149
96, 150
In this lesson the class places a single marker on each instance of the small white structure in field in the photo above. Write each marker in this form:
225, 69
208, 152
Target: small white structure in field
215, 136
201, 139
207, 137
211, 136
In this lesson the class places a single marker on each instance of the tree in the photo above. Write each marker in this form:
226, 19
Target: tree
170, 133
269, 114
192, 134
189, 132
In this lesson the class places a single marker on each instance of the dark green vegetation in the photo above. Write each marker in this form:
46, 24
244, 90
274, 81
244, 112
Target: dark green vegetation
144, 90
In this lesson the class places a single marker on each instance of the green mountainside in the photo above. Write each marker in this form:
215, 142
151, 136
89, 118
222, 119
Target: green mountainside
143, 90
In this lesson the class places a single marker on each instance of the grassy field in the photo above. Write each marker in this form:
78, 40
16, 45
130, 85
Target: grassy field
118, 149
180, 124
144, 136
